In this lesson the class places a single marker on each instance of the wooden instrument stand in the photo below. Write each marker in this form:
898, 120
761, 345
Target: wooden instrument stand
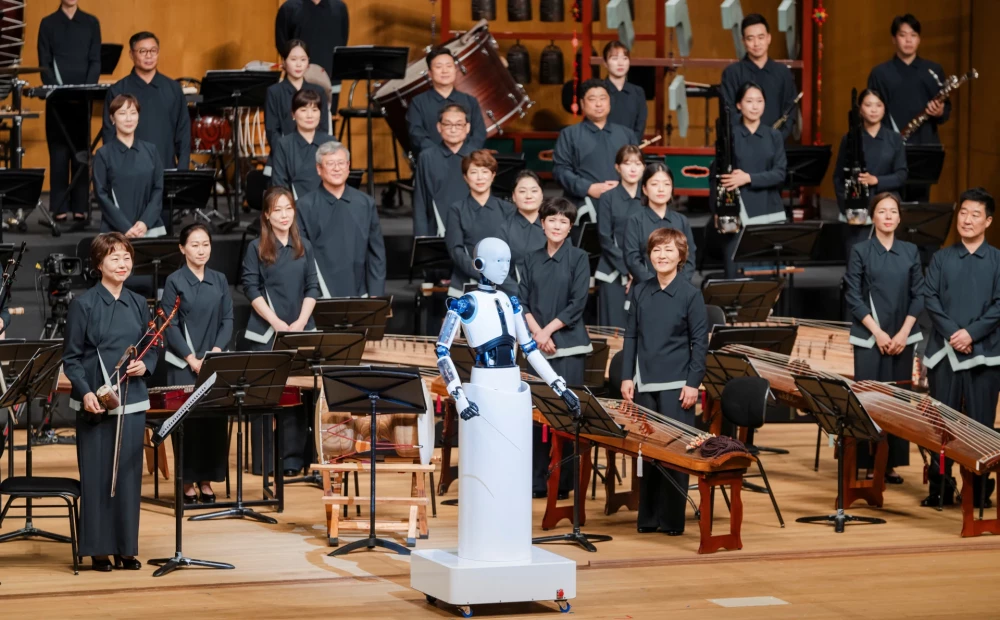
869, 490
971, 526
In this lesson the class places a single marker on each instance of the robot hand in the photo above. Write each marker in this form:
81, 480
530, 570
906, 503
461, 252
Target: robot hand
469, 412
571, 400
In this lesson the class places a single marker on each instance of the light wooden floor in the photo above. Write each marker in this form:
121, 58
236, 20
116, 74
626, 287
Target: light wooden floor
916, 566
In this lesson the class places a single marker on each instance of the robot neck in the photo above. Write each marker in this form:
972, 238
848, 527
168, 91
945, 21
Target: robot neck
486, 285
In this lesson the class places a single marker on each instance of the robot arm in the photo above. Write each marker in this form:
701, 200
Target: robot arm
458, 309
538, 361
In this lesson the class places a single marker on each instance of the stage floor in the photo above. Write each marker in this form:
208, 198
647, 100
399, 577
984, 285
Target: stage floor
915, 566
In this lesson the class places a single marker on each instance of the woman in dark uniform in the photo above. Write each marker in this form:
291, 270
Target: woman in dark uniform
279, 279
885, 295
100, 326
657, 194
614, 209
204, 323
278, 119
523, 230
293, 156
758, 168
666, 341
128, 177
554, 287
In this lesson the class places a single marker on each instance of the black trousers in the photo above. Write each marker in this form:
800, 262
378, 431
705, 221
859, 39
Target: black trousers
611, 304
570, 368
64, 163
661, 504
206, 439
974, 392
109, 525
871, 365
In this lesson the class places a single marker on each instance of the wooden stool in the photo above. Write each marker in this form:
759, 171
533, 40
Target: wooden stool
416, 522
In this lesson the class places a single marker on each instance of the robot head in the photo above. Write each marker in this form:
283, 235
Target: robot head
493, 260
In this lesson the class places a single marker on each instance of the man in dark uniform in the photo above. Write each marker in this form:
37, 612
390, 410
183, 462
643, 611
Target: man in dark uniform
422, 116
69, 46
343, 226
963, 301
584, 157
439, 181
322, 24
628, 100
774, 78
165, 121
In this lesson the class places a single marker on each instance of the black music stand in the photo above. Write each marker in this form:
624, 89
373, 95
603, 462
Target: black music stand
35, 380
187, 190
509, 165
245, 380
590, 418
926, 225
236, 89
838, 412
14, 356
721, 367
774, 338
429, 253
924, 163
20, 189
369, 62
353, 314
176, 424
744, 299
111, 53
373, 390
156, 256
779, 244
312, 351
806, 167
589, 242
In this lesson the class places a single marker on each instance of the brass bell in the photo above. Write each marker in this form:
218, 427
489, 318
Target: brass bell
551, 65
484, 9
552, 11
519, 63
519, 10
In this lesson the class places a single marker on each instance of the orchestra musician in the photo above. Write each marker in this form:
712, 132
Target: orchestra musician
425, 109
663, 355
657, 192
278, 120
343, 227
758, 167
204, 323
101, 325
775, 80
324, 25
472, 219
293, 156
166, 122
554, 288
884, 286
584, 155
279, 278
614, 210
69, 47
523, 229
963, 301
439, 182
128, 176
628, 100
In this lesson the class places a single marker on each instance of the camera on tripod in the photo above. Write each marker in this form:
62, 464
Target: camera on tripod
62, 266
60, 270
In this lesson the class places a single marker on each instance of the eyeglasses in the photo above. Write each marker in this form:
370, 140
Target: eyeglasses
148, 51
453, 125
337, 164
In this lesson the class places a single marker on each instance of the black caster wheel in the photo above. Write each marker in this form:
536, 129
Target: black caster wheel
564, 606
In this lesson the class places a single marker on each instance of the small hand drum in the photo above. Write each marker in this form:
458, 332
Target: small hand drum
108, 397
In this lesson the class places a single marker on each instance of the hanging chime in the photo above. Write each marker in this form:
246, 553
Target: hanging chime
484, 9
552, 11
550, 67
519, 10
519, 63
578, 10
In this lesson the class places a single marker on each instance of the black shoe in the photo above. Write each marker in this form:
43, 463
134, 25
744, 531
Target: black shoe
893, 479
934, 500
539, 494
207, 498
673, 532
101, 566
127, 564
645, 530
190, 499
563, 495
290, 473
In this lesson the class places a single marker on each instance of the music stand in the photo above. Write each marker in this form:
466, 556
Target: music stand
35, 380
111, 53
175, 423
744, 300
188, 190
312, 351
590, 418
369, 62
806, 166
156, 256
780, 244
14, 356
245, 380
509, 165
774, 338
838, 411
923, 164
373, 390
236, 89
353, 314
926, 225
721, 367
429, 253
590, 242
20, 189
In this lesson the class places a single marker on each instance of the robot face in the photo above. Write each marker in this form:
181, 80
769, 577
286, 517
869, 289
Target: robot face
493, 259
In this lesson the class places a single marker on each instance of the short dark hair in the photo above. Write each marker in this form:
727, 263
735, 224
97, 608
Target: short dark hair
142, 36
752, 20
120, 101
666, 235
304, 98
438, 51
870, 91
879, 197
614, 46
104, 244
191, 228
980, 195
747, 86
454, 107
292, 44
527, 174
626, 152
482, 158
589, 85
908, 19
652, 169
558, 206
